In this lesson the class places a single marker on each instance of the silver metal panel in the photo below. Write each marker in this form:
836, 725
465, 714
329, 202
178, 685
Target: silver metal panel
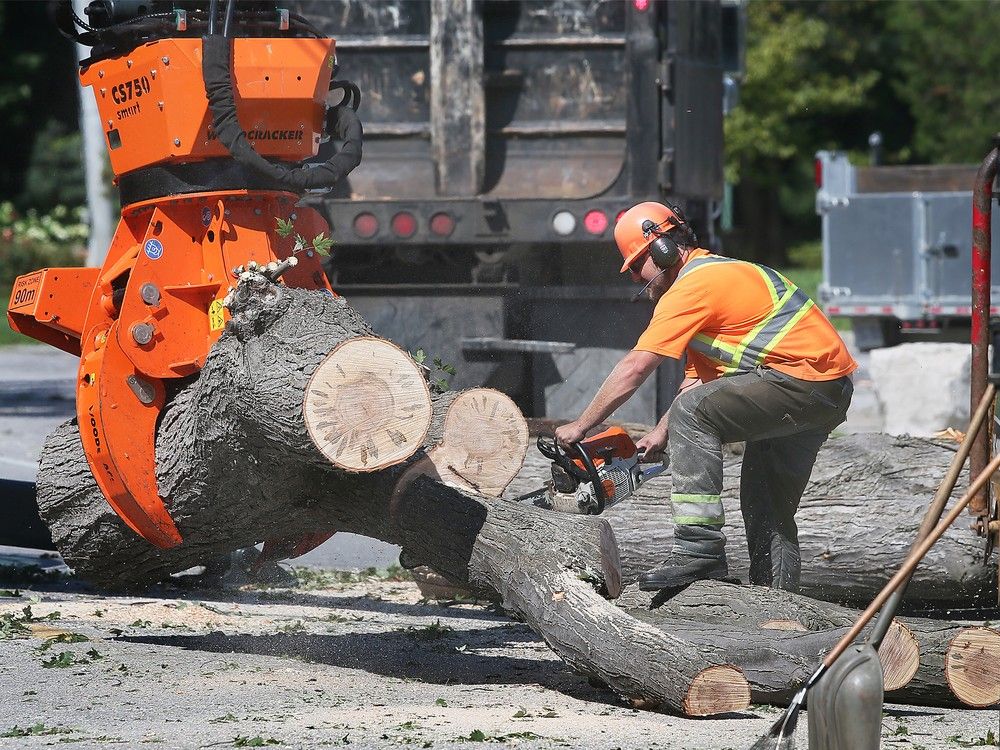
948, 249
869, 248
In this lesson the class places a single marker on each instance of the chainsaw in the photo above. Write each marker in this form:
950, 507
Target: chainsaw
595, 474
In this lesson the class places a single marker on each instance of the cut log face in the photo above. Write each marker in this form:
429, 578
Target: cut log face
485, 441
900, 657
367, 405
972, 667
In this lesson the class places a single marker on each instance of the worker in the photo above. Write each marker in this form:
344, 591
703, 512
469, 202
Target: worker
764, 366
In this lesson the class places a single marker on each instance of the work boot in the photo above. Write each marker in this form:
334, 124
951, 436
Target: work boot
699, 553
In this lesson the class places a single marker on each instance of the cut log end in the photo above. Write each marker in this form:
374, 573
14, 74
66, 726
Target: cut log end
611, 562
899, 655
717, 690
367, 405
485, 439
972, 667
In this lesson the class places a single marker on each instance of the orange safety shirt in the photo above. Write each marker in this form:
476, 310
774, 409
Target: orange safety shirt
733, 316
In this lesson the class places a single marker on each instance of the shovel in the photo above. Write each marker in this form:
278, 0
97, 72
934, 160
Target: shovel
849, 707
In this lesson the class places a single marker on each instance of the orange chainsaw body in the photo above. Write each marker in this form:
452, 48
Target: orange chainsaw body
151, 313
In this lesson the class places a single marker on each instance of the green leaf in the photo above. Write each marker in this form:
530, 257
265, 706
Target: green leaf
285, 227
441, 702
322, 244
63, 660
419, 356
477, 735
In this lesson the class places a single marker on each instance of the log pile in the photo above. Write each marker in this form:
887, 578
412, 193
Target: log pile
303, 420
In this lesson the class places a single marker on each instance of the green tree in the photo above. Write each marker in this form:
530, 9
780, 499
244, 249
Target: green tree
949, 52
814, 80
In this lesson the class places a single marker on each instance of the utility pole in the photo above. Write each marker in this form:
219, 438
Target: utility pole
99, 204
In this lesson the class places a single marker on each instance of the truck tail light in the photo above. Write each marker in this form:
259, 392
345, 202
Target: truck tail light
564, 223
640, 5
404, 224
595, 221
442, 224
818, 173
365, 225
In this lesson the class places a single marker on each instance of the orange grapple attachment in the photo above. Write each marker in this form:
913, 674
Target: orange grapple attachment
117, 408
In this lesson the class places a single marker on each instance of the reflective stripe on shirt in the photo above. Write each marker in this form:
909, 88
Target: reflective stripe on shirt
789, 305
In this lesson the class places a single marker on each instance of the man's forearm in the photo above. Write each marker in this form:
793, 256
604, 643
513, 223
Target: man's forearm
619, 386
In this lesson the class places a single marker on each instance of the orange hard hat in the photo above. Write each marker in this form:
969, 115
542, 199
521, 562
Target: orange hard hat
632, 241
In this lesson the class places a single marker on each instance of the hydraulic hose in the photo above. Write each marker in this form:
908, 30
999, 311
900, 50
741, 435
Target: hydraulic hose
342, 122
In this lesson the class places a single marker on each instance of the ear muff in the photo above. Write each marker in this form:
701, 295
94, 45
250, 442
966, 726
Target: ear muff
665, 252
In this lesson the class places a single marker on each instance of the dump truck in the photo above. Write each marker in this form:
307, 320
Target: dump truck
502, 141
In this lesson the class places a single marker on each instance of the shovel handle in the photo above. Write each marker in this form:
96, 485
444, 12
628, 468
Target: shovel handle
935, 509
911, 562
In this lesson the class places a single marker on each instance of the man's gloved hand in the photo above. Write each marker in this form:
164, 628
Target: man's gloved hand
654, 442
570, 433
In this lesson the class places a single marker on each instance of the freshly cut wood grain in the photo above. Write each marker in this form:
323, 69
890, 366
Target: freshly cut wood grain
972, 667
367, 405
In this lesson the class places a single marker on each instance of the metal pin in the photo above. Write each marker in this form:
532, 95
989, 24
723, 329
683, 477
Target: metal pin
177, 141
142, 333
150, 294
142, 390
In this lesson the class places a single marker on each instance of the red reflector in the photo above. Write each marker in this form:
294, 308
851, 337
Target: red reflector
887, 310
404, 224
833, 310
365, 225
595, 221
442, 224
640, 5
818, 173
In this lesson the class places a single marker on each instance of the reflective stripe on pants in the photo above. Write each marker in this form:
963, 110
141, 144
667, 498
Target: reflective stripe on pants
783, 421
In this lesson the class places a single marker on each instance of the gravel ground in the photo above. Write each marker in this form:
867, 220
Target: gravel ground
341, 660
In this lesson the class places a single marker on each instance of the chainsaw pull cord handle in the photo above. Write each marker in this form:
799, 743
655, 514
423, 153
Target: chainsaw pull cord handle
934, 511
215, 66
593, 476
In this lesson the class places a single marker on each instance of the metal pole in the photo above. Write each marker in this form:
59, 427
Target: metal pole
982, 198
100, 207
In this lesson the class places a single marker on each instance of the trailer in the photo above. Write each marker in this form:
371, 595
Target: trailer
897, 249
502, 141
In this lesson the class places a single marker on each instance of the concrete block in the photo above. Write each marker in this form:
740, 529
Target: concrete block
922, 387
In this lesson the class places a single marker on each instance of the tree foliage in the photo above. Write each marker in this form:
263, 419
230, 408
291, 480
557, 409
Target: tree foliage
825, 75
949, 55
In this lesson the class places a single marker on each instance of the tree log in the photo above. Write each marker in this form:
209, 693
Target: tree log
859, 515
914, 654
236, 463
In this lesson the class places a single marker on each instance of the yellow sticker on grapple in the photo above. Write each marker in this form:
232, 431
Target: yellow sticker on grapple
216, 317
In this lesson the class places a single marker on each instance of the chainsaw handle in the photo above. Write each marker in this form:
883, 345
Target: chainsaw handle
593, 476
549, 447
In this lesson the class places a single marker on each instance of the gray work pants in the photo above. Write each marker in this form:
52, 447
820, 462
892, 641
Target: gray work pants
784, 421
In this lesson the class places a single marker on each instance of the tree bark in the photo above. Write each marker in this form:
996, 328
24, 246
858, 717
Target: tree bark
914, 655
235, 463
858, 517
